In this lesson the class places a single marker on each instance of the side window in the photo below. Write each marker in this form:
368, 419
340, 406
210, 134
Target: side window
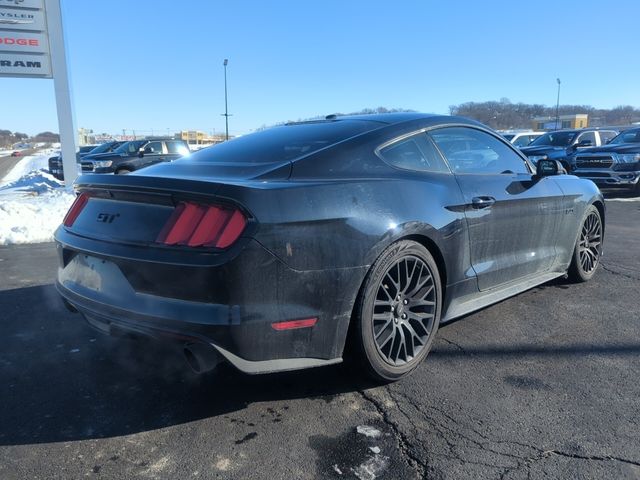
153, 147
414, 153
606, 135
630, 137
522, 141
587, 136
177, 148
473, 151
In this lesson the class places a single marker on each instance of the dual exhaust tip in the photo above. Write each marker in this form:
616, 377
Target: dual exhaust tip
201, 357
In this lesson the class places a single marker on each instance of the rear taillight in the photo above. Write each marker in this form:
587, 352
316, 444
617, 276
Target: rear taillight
79, 203
196, 225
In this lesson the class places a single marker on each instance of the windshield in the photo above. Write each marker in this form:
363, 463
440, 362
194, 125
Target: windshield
105, 147
279, 144
130, 147
630, 136
554, 139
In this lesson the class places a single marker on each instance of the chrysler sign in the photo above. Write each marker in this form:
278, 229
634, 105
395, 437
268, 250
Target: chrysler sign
22, 19
24, 44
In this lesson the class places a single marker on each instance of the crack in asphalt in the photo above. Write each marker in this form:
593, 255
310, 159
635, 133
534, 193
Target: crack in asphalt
451, 342
525, 458
614, 272
444, 432
548, 453
414, 461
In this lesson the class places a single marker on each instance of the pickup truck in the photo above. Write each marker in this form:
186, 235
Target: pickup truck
616, 164
134, 155
55, 162
560, 144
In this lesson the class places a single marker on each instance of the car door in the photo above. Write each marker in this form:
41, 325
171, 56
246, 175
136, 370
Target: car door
512, 216
153, 153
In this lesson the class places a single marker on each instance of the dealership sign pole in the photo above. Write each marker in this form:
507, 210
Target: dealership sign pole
32, 45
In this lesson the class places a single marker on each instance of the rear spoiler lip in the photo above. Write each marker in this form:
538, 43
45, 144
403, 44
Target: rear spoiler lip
148, 184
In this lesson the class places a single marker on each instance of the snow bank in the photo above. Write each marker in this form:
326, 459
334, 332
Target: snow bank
32, 202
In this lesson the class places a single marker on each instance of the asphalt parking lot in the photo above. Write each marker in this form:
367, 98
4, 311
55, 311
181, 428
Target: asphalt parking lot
543, 385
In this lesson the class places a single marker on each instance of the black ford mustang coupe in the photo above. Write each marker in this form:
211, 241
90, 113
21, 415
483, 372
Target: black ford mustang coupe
276, 250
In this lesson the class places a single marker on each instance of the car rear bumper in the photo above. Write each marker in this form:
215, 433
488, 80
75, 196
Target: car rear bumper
231, 306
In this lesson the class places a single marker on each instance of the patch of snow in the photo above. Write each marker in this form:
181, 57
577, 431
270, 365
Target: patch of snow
32, 202
632, 199
373, 467
375, 449
368, 431
337, 469
74, 350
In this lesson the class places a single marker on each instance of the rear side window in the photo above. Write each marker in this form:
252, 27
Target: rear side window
279, 144
177, 147
606, 135
414, 153
522, 141
473, 151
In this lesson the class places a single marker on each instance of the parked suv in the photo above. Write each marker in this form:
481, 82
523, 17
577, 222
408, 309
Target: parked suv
135, 155
616, 164
55, 162
559, 145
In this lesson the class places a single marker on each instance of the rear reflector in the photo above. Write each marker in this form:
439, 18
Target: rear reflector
78, 204
294, 324
198, 225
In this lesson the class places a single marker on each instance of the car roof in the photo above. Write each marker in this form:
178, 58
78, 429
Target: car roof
396, 118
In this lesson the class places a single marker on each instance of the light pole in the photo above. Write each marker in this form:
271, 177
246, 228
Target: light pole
226, 108
558, 105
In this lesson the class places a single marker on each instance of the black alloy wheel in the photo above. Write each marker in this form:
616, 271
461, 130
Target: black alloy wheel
588, 250
399, 310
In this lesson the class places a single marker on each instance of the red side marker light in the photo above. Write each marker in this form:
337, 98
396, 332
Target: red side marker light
78, 204
294, 324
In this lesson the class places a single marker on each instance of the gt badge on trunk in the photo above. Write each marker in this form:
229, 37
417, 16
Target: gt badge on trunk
107, 217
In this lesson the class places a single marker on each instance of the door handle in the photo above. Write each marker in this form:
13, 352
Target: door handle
482, 202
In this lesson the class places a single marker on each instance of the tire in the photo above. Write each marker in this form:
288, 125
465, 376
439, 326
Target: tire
588, 248
398, 311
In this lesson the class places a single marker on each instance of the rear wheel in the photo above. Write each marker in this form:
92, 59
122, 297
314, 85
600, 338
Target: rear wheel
398, 311
588, 249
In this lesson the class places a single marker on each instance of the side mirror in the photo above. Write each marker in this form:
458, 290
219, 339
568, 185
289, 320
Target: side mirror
141, 152
548, 168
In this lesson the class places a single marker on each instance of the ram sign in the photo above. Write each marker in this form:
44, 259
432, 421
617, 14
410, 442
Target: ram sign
24, 44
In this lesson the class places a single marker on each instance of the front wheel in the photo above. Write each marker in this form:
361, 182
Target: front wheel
398, 311
588, 248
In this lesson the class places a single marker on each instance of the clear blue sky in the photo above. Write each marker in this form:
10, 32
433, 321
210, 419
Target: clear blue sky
157, 64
